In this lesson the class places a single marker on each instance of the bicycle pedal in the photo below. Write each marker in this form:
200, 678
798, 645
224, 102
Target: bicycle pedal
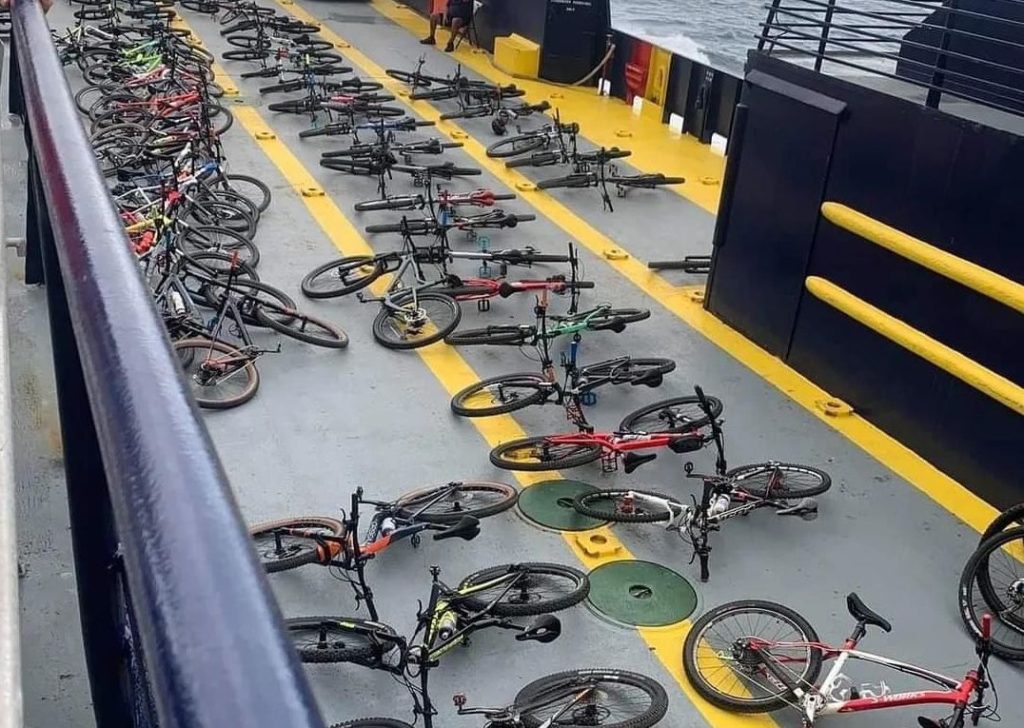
483, 305
588, 399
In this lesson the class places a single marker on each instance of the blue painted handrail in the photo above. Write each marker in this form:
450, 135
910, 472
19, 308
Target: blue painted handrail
179, 625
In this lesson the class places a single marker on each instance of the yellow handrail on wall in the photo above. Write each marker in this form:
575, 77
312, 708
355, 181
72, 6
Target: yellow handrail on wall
950, 360
988, 283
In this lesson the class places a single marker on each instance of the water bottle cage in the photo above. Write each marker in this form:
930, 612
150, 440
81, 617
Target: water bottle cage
609, 461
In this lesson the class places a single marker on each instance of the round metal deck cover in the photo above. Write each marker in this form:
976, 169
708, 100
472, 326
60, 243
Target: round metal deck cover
641, 594
549, 504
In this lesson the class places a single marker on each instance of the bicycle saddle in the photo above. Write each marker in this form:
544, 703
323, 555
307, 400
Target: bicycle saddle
861, 613
631, 460
931, 723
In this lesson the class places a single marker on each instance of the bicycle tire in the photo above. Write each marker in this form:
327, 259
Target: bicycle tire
239, 54
221, 213
510, 455
408, 504
373, 723
250, 385
645, 180
208, 238
492, 335
364, 270
773, 701
304, 327
518, 602
392, 332
580, 179
613, 317
542, 159
514, 146
230, 182
350, 644
1011, 517
303, 551
1007, 619
358, 168
407, 202
413, 79
555, 690
534, 389
632, 370
249, 306
198, 6
746, 475
527, 257
295, 106
679, 414
604, 506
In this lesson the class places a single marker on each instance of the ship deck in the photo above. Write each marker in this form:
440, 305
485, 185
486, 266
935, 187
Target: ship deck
892, 528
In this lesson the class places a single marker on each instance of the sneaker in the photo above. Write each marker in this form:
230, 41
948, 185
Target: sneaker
428, 41
449, 48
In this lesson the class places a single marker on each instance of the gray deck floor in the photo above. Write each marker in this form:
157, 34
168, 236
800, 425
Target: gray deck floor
325, 422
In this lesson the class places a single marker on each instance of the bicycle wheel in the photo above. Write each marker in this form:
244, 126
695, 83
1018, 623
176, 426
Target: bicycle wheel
613, 317
620, 506
281, 552
257, 302
413, 79
536, 454
581, 179
645, 180
1012, 517
217, 382
724, 669
598, 697
420, 319
373, 723
514, 146
338, 639
680, 414
301, 326
450, 502
780, 480
537, 589
251, 188
341, 277
631, 370
209, 238
500, 395
497, 335
993, 582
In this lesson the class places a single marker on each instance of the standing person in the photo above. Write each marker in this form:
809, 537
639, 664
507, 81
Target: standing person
437, 10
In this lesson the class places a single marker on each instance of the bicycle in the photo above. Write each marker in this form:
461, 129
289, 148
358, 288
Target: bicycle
453, 509
680, 423
772, 657
493, 597
992, 582
725, 495
553, 133
586, 176
476, 198
588, 697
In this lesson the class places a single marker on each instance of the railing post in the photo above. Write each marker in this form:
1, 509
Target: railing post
823, 42
768, 24
92, 528
938, 75
16, 100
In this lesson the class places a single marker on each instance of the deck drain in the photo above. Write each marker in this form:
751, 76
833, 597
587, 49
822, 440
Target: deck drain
641, 594
549, 504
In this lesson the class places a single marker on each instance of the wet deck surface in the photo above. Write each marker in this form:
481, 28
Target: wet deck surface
325, 422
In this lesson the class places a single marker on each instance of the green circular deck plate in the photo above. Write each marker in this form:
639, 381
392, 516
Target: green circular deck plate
641, 594
549, 504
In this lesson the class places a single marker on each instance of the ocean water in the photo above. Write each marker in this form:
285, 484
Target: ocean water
718, 32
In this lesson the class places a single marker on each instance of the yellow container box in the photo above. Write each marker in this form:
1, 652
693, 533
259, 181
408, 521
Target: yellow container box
517, 55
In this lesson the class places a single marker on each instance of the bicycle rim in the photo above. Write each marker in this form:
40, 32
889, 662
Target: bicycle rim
599, 697
780, 480
214, 384
525, 589
621, 506
453, 501
419, 320
281, 551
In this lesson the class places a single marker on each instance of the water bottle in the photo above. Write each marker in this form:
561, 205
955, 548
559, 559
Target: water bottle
177, 303
387, 526
719, 504
446, 622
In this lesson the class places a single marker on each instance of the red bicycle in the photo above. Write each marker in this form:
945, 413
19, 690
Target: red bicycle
673, 423
754, 656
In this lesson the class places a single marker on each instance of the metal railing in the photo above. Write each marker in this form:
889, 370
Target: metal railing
968, 49
179, 627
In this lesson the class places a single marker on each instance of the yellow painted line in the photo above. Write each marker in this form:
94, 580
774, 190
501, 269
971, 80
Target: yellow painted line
454, 374
984, 281
608, 122
948, 359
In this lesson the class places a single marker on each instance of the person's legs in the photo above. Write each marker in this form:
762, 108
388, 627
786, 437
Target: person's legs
458, 26
435, 19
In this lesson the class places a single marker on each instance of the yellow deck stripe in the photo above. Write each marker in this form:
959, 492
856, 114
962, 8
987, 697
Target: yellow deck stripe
903, 461
608, 122
984, 281
950, 360
454, 373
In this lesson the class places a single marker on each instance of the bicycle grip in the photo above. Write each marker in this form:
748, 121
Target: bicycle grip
580, 284
986, 626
